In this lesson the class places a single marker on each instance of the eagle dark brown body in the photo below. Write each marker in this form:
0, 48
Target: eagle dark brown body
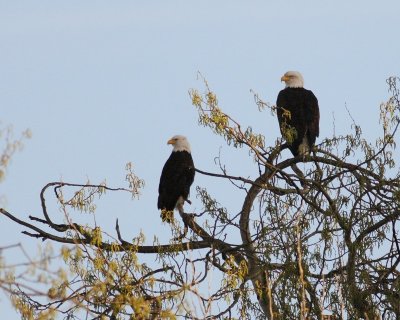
298, 114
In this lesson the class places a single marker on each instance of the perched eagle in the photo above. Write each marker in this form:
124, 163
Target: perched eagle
176, 178
298, 114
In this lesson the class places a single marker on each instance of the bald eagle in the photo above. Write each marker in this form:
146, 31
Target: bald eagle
298, 114
176, 178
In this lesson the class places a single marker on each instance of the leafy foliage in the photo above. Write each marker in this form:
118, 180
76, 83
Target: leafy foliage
317, 238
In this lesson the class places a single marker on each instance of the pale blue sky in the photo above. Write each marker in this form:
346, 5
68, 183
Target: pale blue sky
101, 83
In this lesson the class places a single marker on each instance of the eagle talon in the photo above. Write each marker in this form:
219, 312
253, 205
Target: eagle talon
167, 215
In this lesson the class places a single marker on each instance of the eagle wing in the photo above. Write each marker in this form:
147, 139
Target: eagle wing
176, 179
312, 116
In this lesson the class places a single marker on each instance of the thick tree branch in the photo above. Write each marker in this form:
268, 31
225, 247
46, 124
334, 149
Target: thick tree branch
113, 247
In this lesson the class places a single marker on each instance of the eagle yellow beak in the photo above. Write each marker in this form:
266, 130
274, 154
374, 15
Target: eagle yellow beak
171, 141
284, 78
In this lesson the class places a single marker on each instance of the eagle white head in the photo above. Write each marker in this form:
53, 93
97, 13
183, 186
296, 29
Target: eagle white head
180, 143
293, 79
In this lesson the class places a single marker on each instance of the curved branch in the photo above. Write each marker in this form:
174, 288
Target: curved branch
254, 272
